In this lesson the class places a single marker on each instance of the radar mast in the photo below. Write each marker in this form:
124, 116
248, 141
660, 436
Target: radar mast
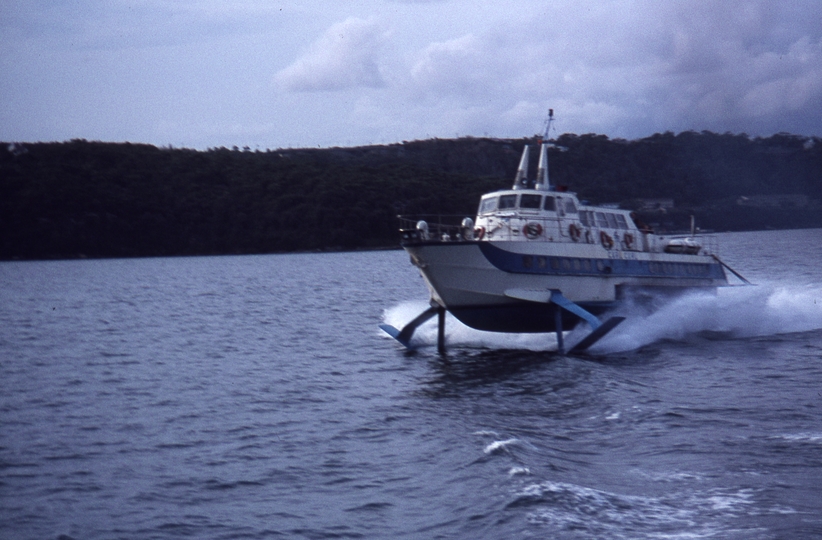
542, 168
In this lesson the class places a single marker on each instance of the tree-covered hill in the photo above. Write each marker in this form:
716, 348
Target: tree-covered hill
95, 199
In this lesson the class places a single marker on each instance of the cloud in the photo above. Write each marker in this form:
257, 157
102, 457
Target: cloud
625, 69
632, 69
784, 82
113, 70
724, 68
344, 57
451, 67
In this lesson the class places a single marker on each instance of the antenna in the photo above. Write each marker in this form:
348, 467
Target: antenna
548, 123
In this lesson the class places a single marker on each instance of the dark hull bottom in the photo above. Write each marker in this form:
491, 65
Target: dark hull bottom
524, 318
527, 317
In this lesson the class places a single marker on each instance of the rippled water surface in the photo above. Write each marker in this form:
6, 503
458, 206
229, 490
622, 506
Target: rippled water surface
255, 397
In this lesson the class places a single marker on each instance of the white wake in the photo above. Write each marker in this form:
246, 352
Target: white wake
761, 310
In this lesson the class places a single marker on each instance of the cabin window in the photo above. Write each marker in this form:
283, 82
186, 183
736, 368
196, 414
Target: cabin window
621, 221
602, 221
549, 204
570, 207
488, 205
530, 201
611, 220
507, 201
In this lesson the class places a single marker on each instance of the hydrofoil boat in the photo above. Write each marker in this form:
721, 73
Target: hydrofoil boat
537, 259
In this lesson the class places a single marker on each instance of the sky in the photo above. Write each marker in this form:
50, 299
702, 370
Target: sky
273, 74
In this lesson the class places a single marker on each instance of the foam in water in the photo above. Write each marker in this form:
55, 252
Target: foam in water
598, 513
761, 310
498, 446
515, 471
813, 438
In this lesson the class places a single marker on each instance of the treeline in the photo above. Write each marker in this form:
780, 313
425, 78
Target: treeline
95, 199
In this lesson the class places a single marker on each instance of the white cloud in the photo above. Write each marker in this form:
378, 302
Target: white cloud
784, 82
450, 67
346, 56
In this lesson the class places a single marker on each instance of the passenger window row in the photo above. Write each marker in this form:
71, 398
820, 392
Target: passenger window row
562, 263
602, 220
600, 265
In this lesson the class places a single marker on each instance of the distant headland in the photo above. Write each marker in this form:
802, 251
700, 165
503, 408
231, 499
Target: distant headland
95, 199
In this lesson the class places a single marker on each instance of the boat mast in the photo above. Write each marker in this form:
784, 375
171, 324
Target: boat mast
521, 180
542, 169
541, 181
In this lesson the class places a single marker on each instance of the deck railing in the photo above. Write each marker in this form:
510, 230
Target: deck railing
450, 228
443, 228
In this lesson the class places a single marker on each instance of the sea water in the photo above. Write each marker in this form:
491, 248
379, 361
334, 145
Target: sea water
255, 397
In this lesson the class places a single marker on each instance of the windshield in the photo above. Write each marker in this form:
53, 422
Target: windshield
530, 201
488, 205
507, 201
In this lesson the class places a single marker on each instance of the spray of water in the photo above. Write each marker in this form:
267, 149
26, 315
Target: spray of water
763, 310
739, 312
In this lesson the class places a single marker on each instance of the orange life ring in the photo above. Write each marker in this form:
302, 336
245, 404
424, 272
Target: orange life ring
629, 240
607, 241
479, 233
532, 230
574, 232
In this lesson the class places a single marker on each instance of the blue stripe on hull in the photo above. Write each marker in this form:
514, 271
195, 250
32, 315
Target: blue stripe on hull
580, 266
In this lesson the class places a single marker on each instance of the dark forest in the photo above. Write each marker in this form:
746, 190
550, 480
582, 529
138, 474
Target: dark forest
95, 199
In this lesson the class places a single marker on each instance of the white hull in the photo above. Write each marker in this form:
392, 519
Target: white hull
459, 273
484, 283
